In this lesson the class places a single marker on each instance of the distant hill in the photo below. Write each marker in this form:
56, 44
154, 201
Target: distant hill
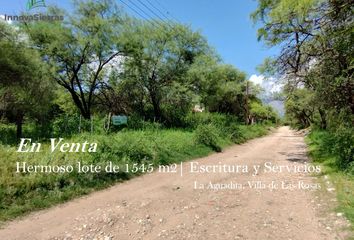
270, 95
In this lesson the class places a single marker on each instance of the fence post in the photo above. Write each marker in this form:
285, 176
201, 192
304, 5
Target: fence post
91, 124
80, 124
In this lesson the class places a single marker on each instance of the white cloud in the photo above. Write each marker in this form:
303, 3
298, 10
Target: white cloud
276, 84
257, 79
270, 84
276, 88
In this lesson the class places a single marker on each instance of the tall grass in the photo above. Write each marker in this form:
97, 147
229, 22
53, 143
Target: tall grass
322, 146
21, 193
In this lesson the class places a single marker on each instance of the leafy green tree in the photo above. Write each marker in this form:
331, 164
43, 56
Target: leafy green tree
300, 108
158, 60
316, 49
80, 49
226, 90
316, 60
25, 90
222, 87
261, 113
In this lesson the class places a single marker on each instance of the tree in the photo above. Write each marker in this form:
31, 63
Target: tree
24, 86
316, 50
261, 113
80, 49
221, 87
300, 108
158, 61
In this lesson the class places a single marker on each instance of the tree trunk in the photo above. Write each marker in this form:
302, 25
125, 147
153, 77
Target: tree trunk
19, 122
84, 110
156, 106
323, 119
86, 114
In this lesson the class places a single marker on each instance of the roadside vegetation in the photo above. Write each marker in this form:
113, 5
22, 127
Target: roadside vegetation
68, 79
325, 150
21, 193
316, 66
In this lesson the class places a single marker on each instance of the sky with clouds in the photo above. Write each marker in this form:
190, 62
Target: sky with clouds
225, 23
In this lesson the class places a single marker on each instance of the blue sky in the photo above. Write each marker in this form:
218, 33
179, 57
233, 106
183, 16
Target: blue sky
225, 23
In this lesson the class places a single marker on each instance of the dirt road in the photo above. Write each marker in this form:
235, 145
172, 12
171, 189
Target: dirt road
168, 206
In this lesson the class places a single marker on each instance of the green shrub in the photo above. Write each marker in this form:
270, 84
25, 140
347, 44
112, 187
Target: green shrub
135, 122
338, 145
21, 193
66, 125
133, 146
175, 116
343, 146
193, 120
236, 135
252, 131
209, 136
8, 134
325, 148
